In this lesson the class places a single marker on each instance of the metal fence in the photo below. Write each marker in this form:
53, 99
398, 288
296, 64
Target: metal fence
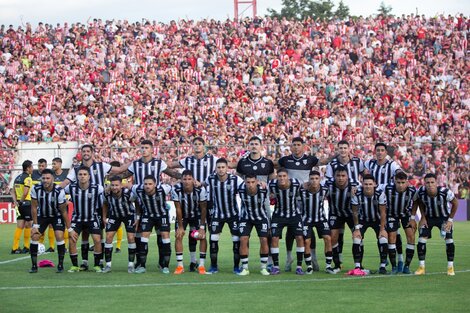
449, 160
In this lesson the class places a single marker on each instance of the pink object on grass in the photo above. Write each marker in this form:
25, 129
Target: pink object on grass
46, 263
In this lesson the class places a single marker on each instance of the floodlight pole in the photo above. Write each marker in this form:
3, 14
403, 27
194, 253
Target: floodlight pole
238, 3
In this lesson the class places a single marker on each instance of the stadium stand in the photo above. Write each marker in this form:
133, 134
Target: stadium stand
401, 80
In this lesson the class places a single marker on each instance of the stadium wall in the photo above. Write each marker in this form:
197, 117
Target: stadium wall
34, 151
47, 150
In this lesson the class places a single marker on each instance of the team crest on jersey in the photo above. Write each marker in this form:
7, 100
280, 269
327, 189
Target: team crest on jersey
95, 172
376, 202
305, 161
205, 163
263, 165
228, 187
89, 196
152, 168
291, 194
383, 170
352, 169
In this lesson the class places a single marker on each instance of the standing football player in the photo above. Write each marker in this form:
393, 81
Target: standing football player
253, 214
438, 206
191, 206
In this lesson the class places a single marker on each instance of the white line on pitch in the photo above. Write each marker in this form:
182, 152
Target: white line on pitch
268, 281
46, 253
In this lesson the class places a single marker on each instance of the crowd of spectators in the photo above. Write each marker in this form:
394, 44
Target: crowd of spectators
402, 80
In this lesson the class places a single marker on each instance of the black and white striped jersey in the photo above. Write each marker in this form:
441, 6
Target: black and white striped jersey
139, 169
189, 201
368, 206
298, 168
438, 206
253, 206
355, 167
399, 203
223, 195
122, 206
87, 203
286, 204
383, 174
48, 201
261, 168
152, 205
313, 204
98, 172
201, 168
339, 200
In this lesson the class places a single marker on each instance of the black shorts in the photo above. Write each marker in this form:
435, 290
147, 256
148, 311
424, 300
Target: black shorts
138, 230
337, 222
99, 218
435, 222
217, 224
161, 223
323, 229
209, 210
366, 225
93, 227
57, 223
193, 223
262, 227
115, 222
294, 223
24, 211
393, 223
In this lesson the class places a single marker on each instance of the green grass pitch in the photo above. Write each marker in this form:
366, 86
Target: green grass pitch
119, 291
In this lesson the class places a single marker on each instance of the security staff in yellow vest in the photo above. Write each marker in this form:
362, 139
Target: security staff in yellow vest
22, 201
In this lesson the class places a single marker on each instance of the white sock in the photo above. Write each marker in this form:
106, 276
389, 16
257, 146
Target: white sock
313, 253
193, 256
450, 263
289, 255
